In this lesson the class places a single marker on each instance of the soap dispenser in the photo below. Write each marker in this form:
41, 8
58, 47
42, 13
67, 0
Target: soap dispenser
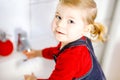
6, 45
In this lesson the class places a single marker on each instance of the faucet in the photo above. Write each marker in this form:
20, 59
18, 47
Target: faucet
6, 45
22, 42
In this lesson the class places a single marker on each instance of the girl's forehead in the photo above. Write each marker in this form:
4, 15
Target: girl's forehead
68, 10
65, 7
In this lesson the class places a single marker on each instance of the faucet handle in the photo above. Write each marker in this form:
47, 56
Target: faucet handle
3, 37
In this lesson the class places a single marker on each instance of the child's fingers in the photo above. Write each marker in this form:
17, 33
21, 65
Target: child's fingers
30, 77
33, 74
33, 77
24, 51
28, 54
27, 77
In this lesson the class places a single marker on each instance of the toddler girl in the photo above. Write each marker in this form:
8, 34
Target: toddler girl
74, 28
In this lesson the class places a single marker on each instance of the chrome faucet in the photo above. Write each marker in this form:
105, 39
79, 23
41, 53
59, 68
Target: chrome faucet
22, 42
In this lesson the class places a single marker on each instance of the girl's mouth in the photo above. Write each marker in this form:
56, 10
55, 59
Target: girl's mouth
60, 32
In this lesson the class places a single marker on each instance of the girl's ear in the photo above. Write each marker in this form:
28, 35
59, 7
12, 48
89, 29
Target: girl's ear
88, 28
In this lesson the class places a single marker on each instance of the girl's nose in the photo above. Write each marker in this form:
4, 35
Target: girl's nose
61, 23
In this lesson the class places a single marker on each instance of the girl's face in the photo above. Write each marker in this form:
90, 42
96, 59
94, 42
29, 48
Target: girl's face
68, 24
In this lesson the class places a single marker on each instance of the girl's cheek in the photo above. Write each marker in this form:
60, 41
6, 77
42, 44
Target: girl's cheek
53, 25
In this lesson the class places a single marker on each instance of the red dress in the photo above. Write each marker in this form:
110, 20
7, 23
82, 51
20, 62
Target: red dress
72, 63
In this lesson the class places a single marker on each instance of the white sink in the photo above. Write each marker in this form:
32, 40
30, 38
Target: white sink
13, 67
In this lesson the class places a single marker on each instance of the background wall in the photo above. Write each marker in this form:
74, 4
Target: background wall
111, 63
42, 13
35, 16
14, 14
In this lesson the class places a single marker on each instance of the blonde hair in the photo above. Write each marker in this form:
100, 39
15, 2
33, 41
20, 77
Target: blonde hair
89, 9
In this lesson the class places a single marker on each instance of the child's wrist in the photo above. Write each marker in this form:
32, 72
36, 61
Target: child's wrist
39, 53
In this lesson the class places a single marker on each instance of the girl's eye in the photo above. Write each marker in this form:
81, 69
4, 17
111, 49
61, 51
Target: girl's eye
71, 21
58, 17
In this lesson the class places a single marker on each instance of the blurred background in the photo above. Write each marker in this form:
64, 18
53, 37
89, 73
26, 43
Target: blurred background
34, 18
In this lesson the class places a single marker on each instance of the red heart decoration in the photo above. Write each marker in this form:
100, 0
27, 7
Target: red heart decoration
6, 48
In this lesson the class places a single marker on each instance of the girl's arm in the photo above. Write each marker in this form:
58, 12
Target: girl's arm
46, 53
33, 53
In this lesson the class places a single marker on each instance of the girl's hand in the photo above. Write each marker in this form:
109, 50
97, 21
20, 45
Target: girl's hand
30, 77
32, 53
